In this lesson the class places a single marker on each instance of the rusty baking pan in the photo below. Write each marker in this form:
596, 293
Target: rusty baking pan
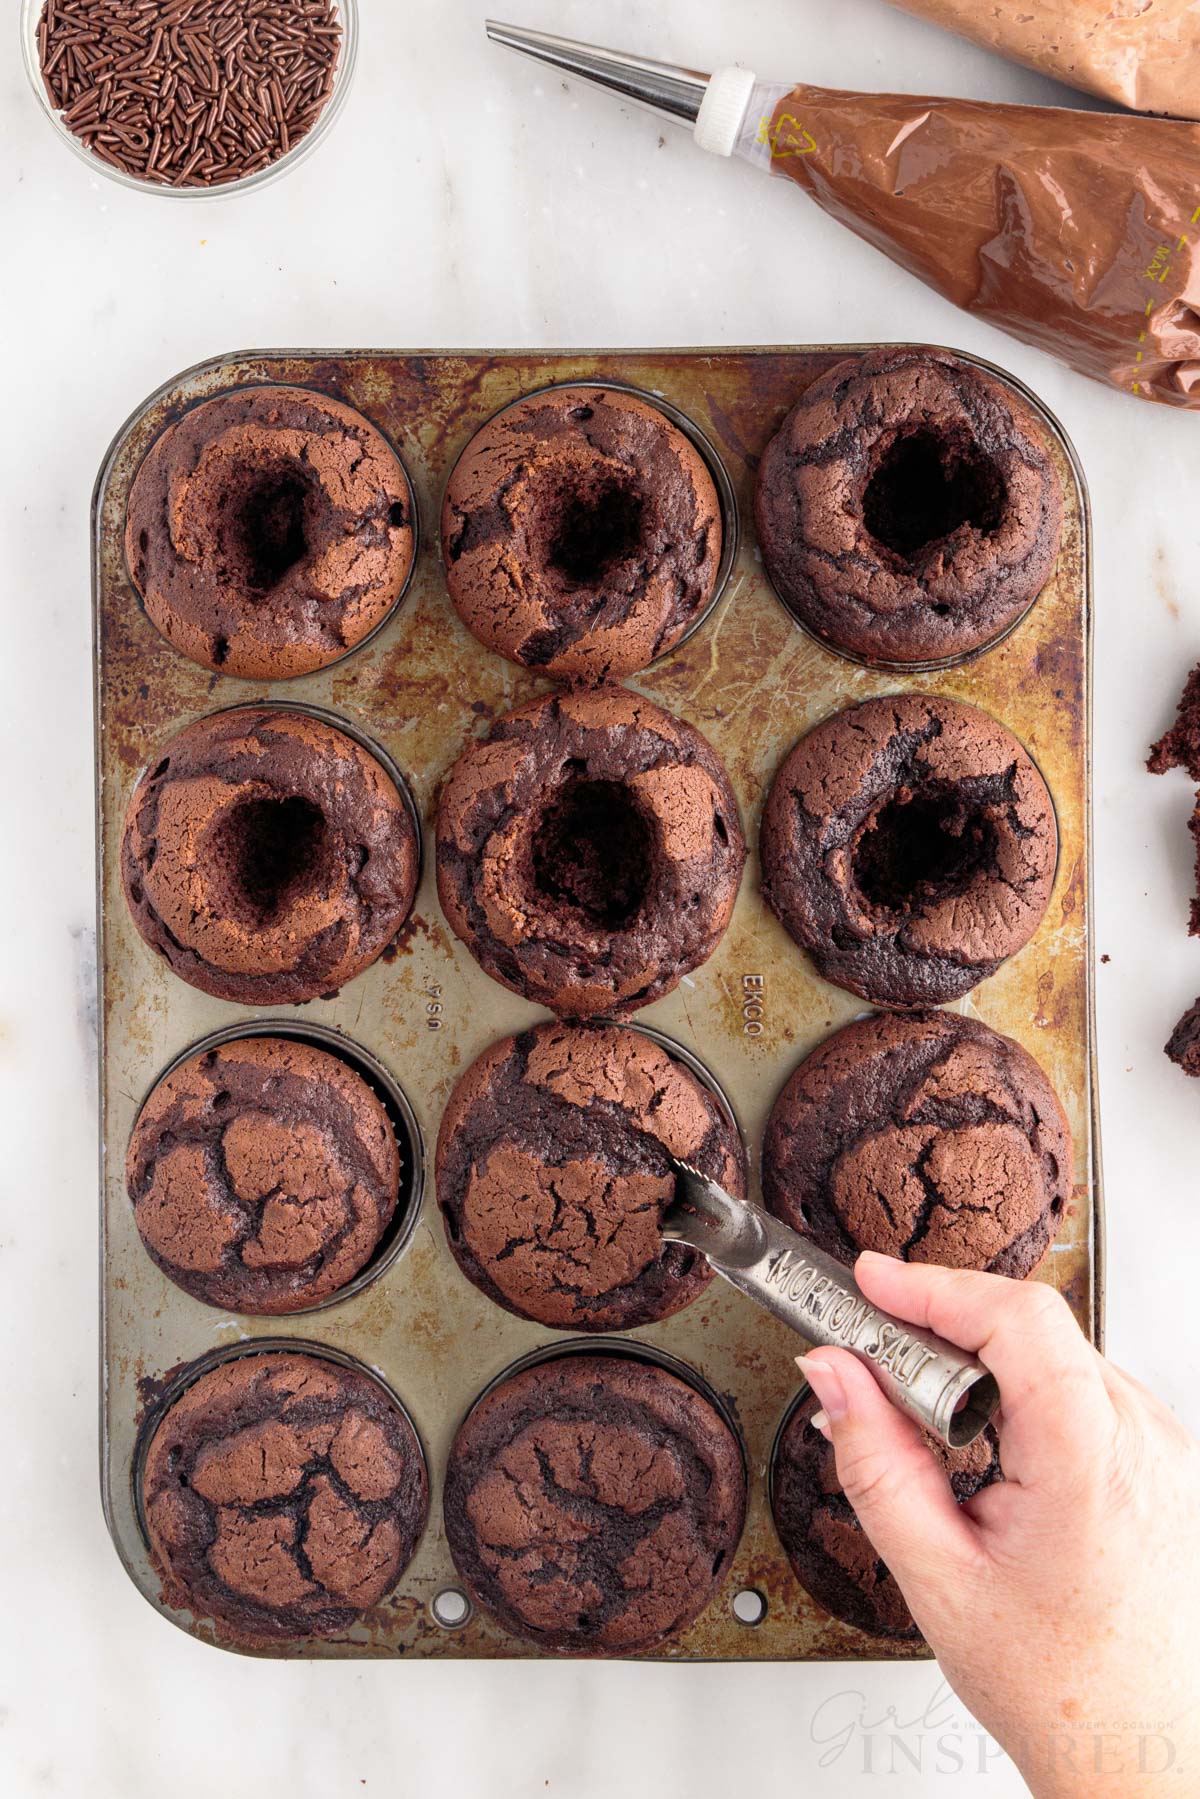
753, 682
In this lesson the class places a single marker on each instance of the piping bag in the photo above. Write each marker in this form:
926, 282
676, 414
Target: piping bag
1078, 232
1139, 53
946, 1390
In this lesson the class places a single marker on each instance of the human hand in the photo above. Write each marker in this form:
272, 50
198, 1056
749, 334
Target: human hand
1063, 1602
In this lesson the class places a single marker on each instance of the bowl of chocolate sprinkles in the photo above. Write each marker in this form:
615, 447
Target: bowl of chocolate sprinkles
197, 98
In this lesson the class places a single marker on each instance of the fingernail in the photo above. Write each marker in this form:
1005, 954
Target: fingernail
820, 1421
826, 1383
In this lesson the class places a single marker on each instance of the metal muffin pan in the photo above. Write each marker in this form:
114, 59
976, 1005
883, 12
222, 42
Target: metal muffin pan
753, 682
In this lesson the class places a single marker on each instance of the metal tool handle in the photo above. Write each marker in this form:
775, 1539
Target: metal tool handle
946, 1390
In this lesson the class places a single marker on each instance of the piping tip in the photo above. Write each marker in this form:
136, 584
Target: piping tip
666, 88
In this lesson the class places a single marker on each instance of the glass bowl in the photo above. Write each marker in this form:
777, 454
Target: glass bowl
347, 11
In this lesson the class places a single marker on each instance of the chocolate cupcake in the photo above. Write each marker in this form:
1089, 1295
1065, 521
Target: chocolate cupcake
908, 509
909, 845
589, 851
554, 1170
927, 1137
284, 1495
267, 857
581, 533
263, 1175
831, 1555
592, 1504
269, 531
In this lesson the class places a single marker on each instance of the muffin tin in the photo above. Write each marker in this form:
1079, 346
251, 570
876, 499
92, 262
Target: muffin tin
750, 679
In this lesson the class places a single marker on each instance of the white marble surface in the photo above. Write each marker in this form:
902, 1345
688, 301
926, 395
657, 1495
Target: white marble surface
463, 200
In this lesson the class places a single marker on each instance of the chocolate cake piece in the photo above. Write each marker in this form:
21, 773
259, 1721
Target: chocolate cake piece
1180, 746
1184, 1044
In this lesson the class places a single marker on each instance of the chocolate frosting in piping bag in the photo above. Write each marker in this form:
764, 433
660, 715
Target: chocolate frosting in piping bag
1141, 53
1078, 232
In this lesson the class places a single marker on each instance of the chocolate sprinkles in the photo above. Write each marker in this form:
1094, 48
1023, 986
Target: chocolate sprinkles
189, 93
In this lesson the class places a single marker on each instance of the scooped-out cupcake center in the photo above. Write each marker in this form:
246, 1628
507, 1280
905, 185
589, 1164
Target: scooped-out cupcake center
263, 525
590, 520
268, 853
592, 850
923, 844
928, 484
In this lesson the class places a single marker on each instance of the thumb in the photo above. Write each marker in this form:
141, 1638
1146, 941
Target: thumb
899, 1490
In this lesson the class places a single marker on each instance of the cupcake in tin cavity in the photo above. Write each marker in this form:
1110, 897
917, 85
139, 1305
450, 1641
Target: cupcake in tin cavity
581, 533
923, 1136
593, 1503
554, 1170
283, 1496
263, 1175
589, 851
268, 857
909, 845
908, 508
831, 1555
269, 531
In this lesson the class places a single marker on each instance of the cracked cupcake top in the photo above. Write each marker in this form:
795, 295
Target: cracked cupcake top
831, 1555
263, 1175
589, 851
593, 1503
927, 1137
908, 509
581, 533
267, 857
283, 1495
554, 1170
269, 530
909, 845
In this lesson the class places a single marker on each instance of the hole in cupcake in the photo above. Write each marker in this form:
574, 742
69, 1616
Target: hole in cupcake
925, 486
591, 851
271, 852
922, 844
396, 515
591, 522
264, 526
